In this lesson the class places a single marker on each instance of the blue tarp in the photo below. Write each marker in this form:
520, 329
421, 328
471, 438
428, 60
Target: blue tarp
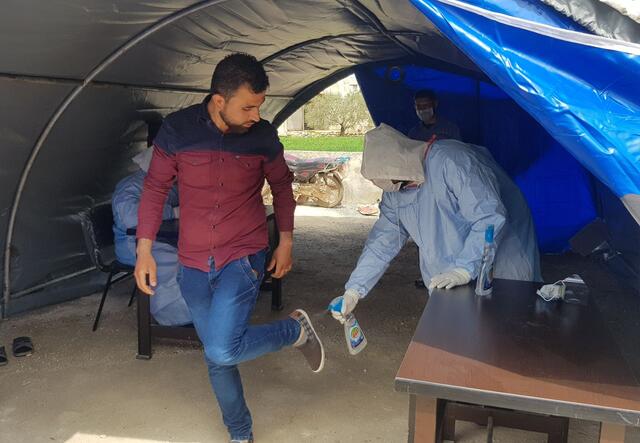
586, 94
562, 106
558, 189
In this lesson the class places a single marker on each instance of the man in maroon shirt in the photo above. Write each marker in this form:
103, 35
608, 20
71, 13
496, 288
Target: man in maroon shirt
220, 152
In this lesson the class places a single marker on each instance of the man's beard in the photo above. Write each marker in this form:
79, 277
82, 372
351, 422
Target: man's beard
233, 128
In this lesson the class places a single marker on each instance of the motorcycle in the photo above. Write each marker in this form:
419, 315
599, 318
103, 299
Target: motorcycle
316, 181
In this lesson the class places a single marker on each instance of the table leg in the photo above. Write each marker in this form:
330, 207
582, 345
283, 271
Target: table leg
448, 427
425, 416
612, 433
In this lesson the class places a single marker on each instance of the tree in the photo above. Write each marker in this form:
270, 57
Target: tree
326, 110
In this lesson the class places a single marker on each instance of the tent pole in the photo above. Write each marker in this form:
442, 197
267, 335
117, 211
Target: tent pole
306, 43
376, 23
53, 282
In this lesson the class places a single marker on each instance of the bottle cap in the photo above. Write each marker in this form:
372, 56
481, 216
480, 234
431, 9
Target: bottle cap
488, 234
336, 304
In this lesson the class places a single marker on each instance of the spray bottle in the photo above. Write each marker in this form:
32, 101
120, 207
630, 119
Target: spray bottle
356, 341
484, 284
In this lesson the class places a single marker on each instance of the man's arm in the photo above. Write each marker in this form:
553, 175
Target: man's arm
280, 179
160, 177
159, 180
386, 239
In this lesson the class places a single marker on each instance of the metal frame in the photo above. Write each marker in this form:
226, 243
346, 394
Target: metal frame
377, 24
432, 420
557, 428
519, 402
111, 281
148, 329
76, 81
313, 89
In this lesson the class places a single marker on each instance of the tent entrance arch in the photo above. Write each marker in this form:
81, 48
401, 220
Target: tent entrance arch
82, 80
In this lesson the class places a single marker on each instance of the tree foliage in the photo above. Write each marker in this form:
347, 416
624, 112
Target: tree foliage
326, 110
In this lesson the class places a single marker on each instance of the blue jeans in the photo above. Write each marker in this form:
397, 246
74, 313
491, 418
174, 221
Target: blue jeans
221, 303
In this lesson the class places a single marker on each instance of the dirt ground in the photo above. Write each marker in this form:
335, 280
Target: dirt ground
81, 386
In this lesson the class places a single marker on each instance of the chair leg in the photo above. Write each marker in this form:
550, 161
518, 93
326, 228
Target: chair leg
133, 293
490, 429
276, 294
104, 296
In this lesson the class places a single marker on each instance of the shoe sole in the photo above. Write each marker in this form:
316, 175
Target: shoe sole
306, 316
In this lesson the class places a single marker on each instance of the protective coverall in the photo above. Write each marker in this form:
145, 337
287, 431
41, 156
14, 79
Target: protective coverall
464, 191
167, 305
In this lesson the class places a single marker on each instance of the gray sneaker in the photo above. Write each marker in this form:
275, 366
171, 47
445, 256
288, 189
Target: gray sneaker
309, 344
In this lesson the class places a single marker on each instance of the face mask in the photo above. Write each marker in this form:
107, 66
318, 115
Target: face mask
425, 114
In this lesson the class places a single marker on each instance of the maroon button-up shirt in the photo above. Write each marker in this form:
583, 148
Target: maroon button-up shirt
220, 178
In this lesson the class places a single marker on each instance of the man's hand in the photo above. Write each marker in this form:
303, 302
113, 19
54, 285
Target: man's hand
145, 266
282, 259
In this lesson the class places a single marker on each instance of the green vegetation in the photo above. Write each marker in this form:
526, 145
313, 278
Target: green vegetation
346, 112
324, 143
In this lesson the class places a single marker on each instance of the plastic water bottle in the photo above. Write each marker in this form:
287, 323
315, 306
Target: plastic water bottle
356, 341
484, 283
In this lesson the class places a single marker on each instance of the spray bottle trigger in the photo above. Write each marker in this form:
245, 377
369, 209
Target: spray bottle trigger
336, 304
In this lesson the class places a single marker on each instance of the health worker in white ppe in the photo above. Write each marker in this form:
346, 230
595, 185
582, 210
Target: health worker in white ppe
443, 195
167, 305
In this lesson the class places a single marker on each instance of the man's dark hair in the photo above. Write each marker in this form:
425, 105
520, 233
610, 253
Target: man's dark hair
236, 70
425, 93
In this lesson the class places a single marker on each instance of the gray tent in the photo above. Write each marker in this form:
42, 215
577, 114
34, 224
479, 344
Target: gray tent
81, 80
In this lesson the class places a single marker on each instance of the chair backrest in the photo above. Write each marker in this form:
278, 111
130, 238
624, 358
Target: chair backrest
97, 227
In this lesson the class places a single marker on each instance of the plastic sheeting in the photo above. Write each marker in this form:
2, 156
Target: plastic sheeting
557, 188
586, 95
600, 18
629, 8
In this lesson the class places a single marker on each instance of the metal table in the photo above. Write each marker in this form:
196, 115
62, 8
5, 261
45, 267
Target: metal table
513, 350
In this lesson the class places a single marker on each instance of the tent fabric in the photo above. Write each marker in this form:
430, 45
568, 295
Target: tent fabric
628, 8
46, 56
608, 20
590, 106
557, 188
96, 73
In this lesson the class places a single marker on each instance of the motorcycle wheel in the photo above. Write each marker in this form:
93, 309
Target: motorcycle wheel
330, 191
267, 198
